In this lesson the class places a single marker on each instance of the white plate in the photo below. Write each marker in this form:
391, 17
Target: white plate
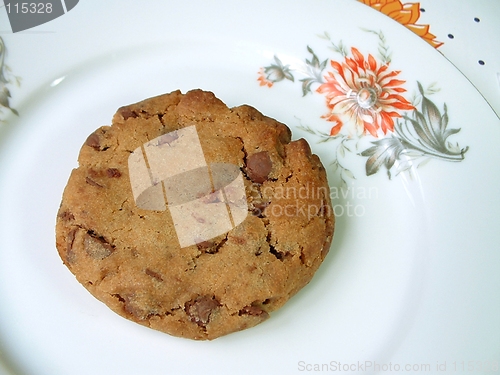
412, 278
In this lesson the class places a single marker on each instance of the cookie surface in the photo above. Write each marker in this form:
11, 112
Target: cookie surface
193, 218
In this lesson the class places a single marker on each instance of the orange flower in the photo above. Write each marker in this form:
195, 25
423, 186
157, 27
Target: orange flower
338, 125
407, 15
368, 93
263, 81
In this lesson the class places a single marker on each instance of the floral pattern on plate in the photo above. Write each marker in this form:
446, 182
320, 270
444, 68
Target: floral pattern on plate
6, 79
407, 15
369, 111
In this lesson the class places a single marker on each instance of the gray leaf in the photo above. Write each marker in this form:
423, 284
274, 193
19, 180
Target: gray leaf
384, 153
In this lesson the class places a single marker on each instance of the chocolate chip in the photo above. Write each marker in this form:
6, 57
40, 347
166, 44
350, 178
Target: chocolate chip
253, 311
130, 305
198, 218
204, 245
138, 304
201, 309
258, 208
70, 254
168, 138
92, 173
93, 141
210, 198
66, 216
113, 173
96, 247
153, 274
259, 166
239, 240
89, 181
126, 113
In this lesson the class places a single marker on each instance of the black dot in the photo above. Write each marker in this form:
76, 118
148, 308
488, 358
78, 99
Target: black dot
481, 62
451, 36
477, 19
422, 9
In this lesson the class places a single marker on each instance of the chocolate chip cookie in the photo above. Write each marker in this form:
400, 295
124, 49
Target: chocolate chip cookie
193, 218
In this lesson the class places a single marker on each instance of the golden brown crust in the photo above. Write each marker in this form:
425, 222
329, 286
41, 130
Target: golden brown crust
129, 258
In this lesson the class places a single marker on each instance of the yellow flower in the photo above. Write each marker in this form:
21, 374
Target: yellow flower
407, 15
